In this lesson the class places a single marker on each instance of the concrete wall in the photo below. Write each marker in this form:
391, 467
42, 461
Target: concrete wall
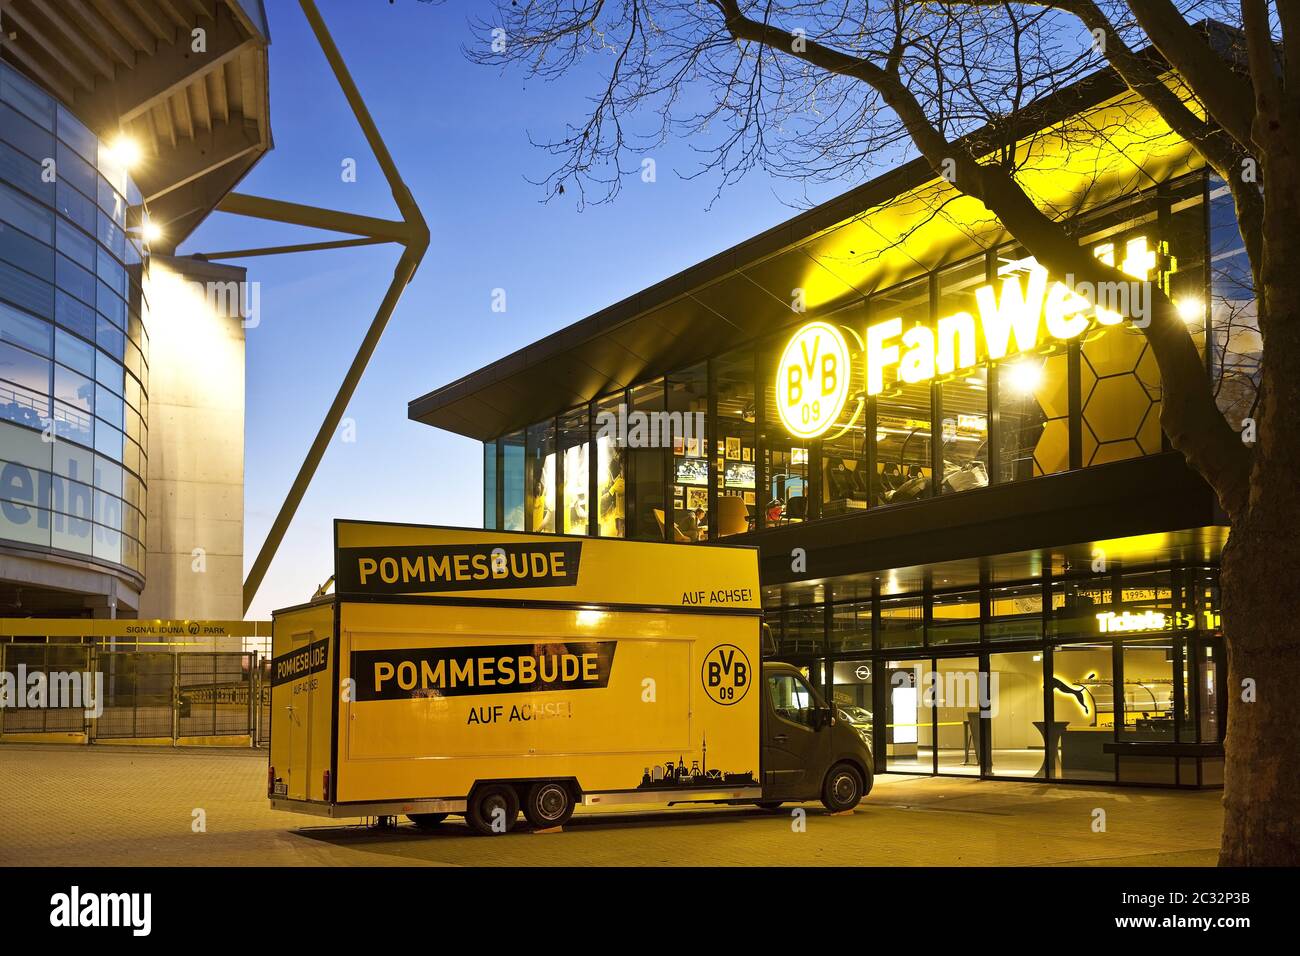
195, 497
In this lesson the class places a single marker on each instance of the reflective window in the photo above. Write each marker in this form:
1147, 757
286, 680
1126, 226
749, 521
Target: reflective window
74, 314
26, 214
786, 461
24, 134
690, 461
108, 441
851, 627
74, 353
803, 631
611, 481
73, 132
539, 477
964, 423
512, 482
902, 622
903, 429
25, 330
52, 273
843, 482
74, 389
24, 370
76, 170
647, 439
575, 447
734, 458
110, 408
489, 484
24, 173
958, 695
76, 207
26, 97
851, 695
1238, 346
1084, 709
791, 698
955, 618
1018, 735
1016, 613
108, 372
909, 718
1076, 604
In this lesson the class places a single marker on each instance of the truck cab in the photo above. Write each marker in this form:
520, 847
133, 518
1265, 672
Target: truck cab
808, 752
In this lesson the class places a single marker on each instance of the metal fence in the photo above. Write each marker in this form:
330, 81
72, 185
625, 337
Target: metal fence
173, 695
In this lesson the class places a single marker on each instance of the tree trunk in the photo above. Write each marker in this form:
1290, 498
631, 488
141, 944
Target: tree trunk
1261, 620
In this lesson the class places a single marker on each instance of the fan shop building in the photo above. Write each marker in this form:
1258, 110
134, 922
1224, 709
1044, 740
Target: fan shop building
974, 536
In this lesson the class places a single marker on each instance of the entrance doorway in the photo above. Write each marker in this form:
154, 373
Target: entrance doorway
934, 715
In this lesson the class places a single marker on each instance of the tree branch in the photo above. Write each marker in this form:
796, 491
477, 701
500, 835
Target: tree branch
1228, 98
1189, 414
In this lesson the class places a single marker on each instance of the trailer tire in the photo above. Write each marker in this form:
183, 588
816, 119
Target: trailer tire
426, 820
484, 804
842, 789
548, 803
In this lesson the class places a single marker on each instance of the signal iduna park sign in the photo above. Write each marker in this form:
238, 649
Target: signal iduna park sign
1025, 315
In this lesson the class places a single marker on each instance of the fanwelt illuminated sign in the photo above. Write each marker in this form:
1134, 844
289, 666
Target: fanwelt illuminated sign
1028, 313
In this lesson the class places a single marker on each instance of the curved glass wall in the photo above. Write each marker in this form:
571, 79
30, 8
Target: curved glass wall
74, 375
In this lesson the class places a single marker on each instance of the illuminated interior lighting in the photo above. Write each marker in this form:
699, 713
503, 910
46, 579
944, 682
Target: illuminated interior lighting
1024, 377
1190, 309
125, 151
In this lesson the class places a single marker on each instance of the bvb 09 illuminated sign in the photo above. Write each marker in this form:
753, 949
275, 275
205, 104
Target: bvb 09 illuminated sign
812, 380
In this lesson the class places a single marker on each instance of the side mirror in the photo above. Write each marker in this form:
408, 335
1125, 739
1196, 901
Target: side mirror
822, 716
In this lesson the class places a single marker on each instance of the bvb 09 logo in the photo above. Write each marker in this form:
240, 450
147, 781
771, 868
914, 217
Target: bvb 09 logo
812, 380
727, 674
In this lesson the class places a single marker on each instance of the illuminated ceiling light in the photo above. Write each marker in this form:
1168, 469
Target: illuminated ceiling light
1024, 377
125, 151
1190, 309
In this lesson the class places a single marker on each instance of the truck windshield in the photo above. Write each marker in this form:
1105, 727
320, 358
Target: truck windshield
791, 698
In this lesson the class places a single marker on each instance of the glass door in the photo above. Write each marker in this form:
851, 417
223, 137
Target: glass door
909, 718
1018, 733
958, 699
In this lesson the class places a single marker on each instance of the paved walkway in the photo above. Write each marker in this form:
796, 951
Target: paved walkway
92, 806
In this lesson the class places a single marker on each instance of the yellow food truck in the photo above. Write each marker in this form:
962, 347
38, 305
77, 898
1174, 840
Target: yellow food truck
458, 671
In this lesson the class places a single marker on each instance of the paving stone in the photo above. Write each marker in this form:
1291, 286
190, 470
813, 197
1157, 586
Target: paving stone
95, 806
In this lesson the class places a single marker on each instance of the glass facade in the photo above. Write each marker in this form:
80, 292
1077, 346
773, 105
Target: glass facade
1122, 689
74, 376
1039, 678
701, 454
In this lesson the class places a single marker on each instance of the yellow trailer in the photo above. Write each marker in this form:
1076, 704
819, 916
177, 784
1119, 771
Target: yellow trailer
484, 672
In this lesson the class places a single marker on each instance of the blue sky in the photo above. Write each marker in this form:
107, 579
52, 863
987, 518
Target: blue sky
459, 134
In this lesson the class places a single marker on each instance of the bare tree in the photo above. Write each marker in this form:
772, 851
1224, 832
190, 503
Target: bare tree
825, 89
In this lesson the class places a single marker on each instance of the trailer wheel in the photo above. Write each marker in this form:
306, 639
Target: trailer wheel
426, 820
842, 789
493, 809
548, 804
